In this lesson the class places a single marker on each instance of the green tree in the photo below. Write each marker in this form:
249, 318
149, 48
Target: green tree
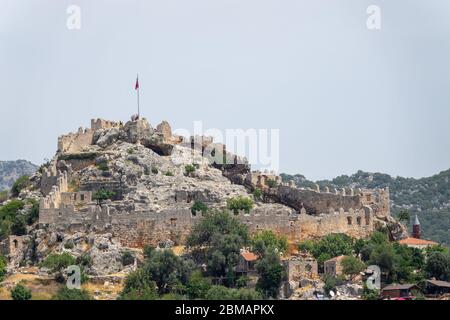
240, 203
352, 266
257, 194
20, 292
57, 262
384, 257
271, 274
139, 286
167, 270
404, 216
199, 206
127, 258
328, 247
3, 265
438, 265
72, 294
270, 240
189, 168
102, 195
216, 240
19, 184
198, 286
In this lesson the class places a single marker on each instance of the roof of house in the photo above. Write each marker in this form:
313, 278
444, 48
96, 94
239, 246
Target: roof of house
398, 287
249, 256
439, 283
335, 258
416, 242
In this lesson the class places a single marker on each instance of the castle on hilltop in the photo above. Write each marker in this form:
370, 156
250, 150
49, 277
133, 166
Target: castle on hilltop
295, 212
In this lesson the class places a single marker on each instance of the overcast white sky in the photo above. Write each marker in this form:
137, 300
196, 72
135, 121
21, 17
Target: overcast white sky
344, 97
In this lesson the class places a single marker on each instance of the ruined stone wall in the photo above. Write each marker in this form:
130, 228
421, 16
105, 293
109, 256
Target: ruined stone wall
97, 124
316, 202
379, 200
137, 228
75, 142
355, 223
50, 203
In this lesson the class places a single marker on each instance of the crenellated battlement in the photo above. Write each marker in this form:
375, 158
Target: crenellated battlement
97, 124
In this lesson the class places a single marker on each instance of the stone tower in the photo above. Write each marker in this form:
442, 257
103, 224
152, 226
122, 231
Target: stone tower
416, 228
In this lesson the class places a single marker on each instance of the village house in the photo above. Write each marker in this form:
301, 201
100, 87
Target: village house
333, 266
246, 263
395, 291
437, 287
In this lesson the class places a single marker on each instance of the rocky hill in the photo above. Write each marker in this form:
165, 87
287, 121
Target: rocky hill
428, 197
11, 170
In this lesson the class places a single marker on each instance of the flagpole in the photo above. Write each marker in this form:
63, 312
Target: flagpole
137, 77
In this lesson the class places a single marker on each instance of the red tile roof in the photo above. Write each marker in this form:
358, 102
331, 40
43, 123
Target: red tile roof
417, 242
249, 256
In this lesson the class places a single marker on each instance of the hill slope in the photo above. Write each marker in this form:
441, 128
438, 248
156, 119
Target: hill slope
428, 197
11, 170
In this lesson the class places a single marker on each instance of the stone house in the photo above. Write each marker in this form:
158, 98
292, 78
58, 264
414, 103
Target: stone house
333, 267
303, 267
246, 263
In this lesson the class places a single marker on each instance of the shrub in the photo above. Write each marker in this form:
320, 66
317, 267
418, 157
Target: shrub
19, 292
198, 286
3, 264
270, 240
130, 151
3, 196
189, 169
224, 293
69, 244
19, 184
18, 226
148, 251
72, 294
257, 194
352, 266
199, 206
155, 170
168, 173
240, 203
271, 274
85, 260
127, 258
79, 156
369, 294
102, 195
56, 262
216, 241
103, 166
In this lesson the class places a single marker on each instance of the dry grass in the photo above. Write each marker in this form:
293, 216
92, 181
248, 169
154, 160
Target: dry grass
42, 288
107, 291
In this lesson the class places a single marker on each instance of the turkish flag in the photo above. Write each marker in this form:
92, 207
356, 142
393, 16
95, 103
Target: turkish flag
136, 87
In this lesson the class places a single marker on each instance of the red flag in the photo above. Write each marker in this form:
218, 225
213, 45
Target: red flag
136, 87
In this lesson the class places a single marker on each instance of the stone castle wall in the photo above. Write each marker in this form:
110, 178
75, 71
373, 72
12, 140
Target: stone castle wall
309, 213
